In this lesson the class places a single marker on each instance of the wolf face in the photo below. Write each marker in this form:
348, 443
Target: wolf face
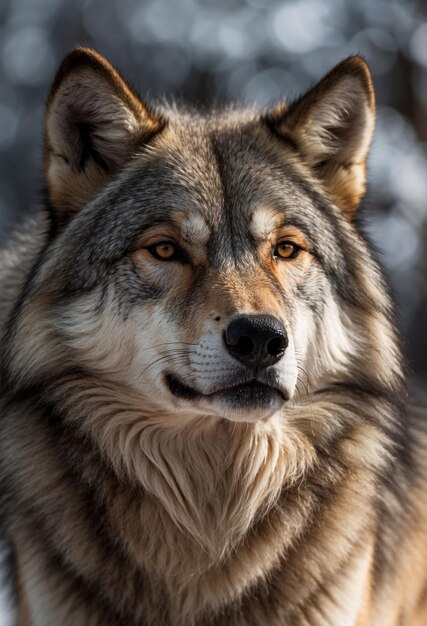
195, 254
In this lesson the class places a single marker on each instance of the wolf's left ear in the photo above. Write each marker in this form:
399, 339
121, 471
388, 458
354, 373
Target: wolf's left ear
94, 123
332, 127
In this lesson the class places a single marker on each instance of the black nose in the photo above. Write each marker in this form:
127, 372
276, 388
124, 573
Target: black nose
257, 341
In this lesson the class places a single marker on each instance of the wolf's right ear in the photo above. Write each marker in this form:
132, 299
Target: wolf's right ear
94, 123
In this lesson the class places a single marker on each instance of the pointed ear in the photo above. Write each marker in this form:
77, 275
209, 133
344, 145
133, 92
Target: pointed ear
94, 123
332, 127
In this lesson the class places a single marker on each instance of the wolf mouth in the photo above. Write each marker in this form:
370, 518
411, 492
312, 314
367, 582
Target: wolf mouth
252, 393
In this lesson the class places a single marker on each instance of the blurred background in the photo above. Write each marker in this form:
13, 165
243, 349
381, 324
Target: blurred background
250, 50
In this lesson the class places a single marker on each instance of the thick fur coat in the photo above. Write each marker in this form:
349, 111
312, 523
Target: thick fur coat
150, 476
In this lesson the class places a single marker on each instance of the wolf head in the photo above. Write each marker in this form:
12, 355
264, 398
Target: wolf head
206, 263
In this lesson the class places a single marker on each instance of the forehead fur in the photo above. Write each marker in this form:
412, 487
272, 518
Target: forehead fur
216, 164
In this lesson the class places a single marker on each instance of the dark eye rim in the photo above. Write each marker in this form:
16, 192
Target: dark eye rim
296, 250
178, 255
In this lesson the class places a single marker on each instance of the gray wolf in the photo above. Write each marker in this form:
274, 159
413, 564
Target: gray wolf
204, 416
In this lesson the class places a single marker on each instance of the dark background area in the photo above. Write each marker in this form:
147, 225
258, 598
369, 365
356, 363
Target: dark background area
254, 51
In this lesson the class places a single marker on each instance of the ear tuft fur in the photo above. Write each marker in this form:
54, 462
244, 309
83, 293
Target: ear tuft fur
332, 127
94, 123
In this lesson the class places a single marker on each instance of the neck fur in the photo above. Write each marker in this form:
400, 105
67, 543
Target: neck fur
215, 479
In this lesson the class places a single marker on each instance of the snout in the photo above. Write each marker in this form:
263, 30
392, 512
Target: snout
231, 373
256, 341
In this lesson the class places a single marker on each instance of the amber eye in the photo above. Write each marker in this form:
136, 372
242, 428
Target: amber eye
286, 250
164, 250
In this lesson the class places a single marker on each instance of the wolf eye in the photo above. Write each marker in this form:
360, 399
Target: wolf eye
164, 250
286, 250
